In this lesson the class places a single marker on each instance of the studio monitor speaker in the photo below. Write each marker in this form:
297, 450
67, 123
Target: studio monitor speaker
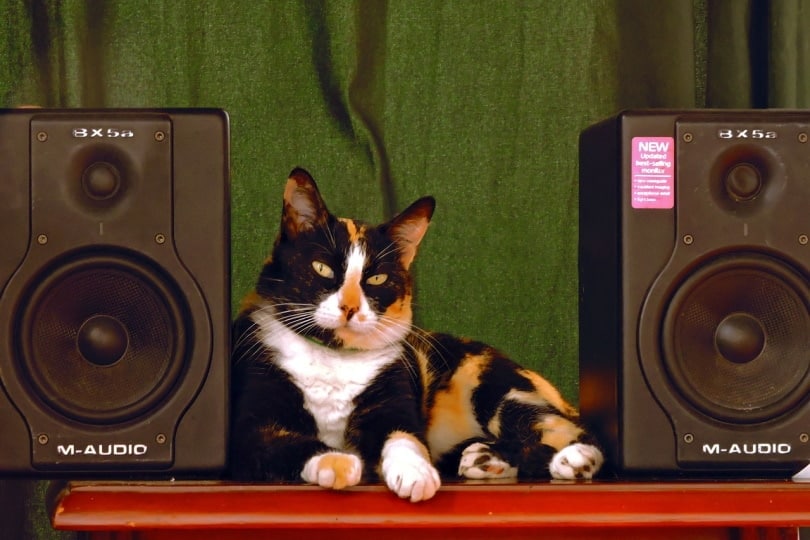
114, 291
694, 261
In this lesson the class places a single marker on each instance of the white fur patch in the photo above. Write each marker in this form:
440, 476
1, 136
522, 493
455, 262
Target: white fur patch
329, 313
355, 263
330, 379
406, 470
576, 461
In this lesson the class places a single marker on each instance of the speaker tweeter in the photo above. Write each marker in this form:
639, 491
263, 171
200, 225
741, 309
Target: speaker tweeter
745, 178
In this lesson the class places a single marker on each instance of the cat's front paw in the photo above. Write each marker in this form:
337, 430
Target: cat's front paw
576, 461
478, 461
407, 470
335, 470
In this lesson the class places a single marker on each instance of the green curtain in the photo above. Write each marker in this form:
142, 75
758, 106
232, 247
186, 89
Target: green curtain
478, 103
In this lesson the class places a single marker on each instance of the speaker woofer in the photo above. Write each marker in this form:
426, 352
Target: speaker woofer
736, 338
103, 338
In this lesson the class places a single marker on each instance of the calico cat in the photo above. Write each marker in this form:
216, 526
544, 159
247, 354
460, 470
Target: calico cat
332, 383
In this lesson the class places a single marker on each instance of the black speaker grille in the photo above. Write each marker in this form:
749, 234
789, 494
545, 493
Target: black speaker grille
737, 338
108, 372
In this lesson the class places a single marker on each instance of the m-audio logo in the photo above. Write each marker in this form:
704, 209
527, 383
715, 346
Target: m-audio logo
751, 449
102, 450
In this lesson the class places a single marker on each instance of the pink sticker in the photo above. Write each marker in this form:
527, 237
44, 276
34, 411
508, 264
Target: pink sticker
653, 172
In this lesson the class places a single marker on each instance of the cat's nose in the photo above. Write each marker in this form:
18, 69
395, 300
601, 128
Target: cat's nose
348, 311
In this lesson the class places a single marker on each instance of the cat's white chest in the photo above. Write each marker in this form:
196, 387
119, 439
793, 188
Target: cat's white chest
329, 380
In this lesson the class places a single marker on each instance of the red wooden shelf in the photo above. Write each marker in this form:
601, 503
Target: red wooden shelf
228, 510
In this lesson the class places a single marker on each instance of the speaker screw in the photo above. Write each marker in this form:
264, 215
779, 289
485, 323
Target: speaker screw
160, 238
804, 437
42, 136
802, 137
688, 438
687, 137
803, 239
42, 439
688, 239
42, 239
159, 136
160, 438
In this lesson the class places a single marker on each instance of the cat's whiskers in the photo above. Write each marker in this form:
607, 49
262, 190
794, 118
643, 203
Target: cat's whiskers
256, 348
299, 321
280, 310
298, 317
387, 340
431, 343
329, 235
407, 327
390, 248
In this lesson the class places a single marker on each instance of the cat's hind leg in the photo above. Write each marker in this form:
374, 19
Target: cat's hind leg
575, 457
543, 442
577, 461
476, 458
480, 461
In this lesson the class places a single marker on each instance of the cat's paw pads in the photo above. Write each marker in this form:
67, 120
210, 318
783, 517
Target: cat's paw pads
576, 461
407, 471
478, 461
334, 470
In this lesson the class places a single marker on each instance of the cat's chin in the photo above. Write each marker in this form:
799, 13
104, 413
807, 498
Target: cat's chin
368, 341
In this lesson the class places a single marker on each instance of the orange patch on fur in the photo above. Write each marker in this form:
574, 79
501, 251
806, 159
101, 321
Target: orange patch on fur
251, 300
423, 365
557, 432
452, 419
355, 232
341, 465
400, 310
350, 294
272, 431
550, 393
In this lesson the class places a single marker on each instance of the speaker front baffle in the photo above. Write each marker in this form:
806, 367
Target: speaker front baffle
114, 291
694, 263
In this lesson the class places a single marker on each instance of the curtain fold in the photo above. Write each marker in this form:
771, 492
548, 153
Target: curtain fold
730, 81
657, 53
788, 54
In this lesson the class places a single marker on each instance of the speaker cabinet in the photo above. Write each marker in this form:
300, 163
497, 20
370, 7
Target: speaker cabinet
694, 262
114, 291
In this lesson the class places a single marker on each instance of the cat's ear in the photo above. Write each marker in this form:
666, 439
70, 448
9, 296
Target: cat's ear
409, 227
304, 208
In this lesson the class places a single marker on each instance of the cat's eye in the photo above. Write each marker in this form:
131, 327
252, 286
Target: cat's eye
377, 279
323, 269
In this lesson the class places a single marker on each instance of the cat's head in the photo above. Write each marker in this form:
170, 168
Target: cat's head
339, 281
